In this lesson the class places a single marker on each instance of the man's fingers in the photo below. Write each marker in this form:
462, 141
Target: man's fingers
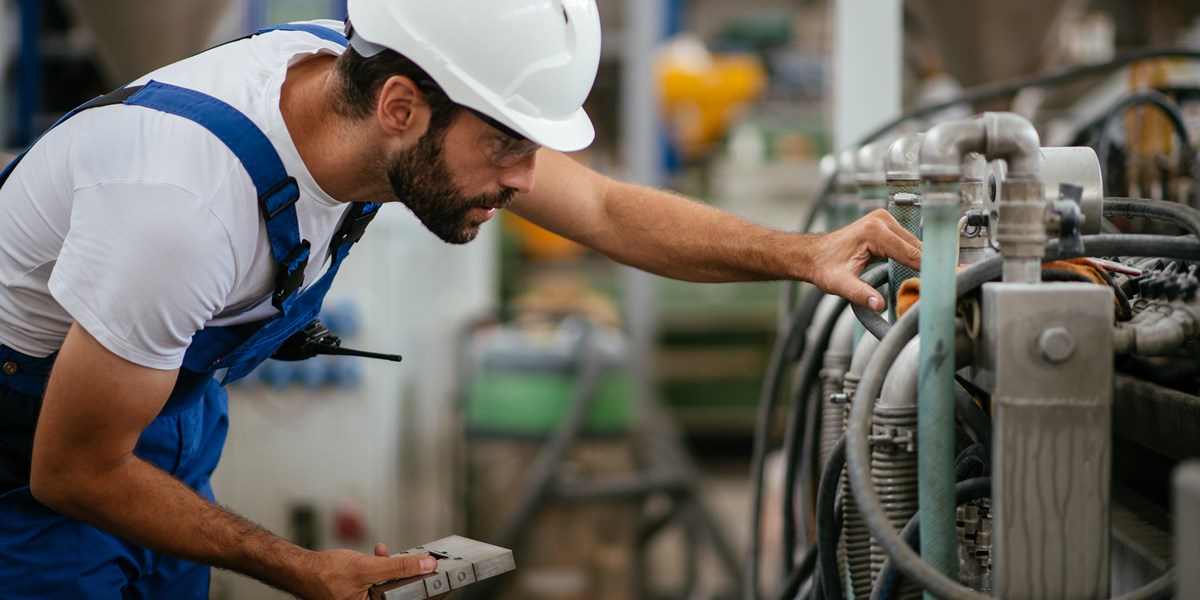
896, 228
861, 294
381, 550
402, 567
897, 248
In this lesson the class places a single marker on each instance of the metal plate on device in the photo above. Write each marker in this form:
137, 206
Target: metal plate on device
461, 561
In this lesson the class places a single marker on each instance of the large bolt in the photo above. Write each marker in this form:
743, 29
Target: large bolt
1056, 344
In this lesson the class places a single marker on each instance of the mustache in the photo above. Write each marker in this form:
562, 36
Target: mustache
499, 200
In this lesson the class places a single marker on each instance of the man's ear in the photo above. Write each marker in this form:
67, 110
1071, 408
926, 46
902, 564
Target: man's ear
401, 109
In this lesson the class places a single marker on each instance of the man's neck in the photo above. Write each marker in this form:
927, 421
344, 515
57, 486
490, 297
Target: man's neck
323, 138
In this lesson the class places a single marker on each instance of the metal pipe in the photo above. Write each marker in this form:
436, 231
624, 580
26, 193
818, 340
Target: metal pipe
935, 418
944, 151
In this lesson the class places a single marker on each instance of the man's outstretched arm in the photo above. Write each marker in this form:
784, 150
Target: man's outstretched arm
94, 411
669, 235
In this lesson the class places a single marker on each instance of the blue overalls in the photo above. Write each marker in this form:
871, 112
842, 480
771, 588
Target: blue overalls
46, 555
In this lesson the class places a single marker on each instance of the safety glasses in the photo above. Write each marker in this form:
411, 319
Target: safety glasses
508, 148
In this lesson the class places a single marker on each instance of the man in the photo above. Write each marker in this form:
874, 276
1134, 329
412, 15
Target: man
171, 236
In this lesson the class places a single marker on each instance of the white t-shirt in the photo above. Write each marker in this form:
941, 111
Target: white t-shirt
143, 226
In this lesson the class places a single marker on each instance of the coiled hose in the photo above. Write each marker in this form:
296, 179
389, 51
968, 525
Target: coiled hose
857, 444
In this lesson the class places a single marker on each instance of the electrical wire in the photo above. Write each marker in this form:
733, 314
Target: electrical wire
857, 445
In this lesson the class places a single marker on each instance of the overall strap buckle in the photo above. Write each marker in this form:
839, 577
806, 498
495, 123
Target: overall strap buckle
279, 198
354, 226
289, 275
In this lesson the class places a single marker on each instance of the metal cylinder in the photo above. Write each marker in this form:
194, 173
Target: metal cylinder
833, 371
871, 178
894, 449
843, 204
854, 531
973, 240
1022, 230
894, 471
857, 540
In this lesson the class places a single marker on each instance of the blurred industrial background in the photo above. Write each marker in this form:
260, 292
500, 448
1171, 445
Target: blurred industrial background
616, 429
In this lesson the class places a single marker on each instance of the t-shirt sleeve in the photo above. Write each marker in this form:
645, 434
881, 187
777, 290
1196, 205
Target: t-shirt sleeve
143, 266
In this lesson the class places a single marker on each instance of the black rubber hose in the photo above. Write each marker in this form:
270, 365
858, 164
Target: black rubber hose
857, 446
1182, 215
974, 457
1152, 98
797, 577
874, 322
810, 366
965, 491
827, 535
972, 414
789, 343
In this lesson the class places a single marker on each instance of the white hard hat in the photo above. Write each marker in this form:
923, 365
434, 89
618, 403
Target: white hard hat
528, 64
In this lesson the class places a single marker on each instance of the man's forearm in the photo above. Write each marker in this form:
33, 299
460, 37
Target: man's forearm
142, 504
673, 236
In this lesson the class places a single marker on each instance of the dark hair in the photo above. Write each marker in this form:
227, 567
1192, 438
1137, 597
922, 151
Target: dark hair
360, 79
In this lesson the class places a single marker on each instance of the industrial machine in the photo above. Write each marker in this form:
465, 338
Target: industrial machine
1010, 425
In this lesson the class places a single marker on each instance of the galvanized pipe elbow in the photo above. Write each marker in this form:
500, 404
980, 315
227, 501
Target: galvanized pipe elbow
1005, 136
945, 144
1014, 139
871, 167
902, 162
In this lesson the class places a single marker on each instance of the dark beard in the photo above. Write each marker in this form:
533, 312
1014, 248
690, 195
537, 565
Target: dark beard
421, 179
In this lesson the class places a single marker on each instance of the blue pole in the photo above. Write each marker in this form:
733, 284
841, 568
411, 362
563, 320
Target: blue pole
29, 82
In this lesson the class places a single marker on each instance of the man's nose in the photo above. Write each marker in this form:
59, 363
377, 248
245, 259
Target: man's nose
520, 176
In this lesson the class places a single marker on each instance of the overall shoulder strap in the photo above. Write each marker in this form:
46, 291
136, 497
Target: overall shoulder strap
277, 191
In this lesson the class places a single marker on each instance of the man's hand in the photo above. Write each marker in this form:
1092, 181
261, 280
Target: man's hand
840, 256
345, 574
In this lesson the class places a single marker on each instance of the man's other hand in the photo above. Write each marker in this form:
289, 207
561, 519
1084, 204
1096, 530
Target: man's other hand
842, 255
345, 574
